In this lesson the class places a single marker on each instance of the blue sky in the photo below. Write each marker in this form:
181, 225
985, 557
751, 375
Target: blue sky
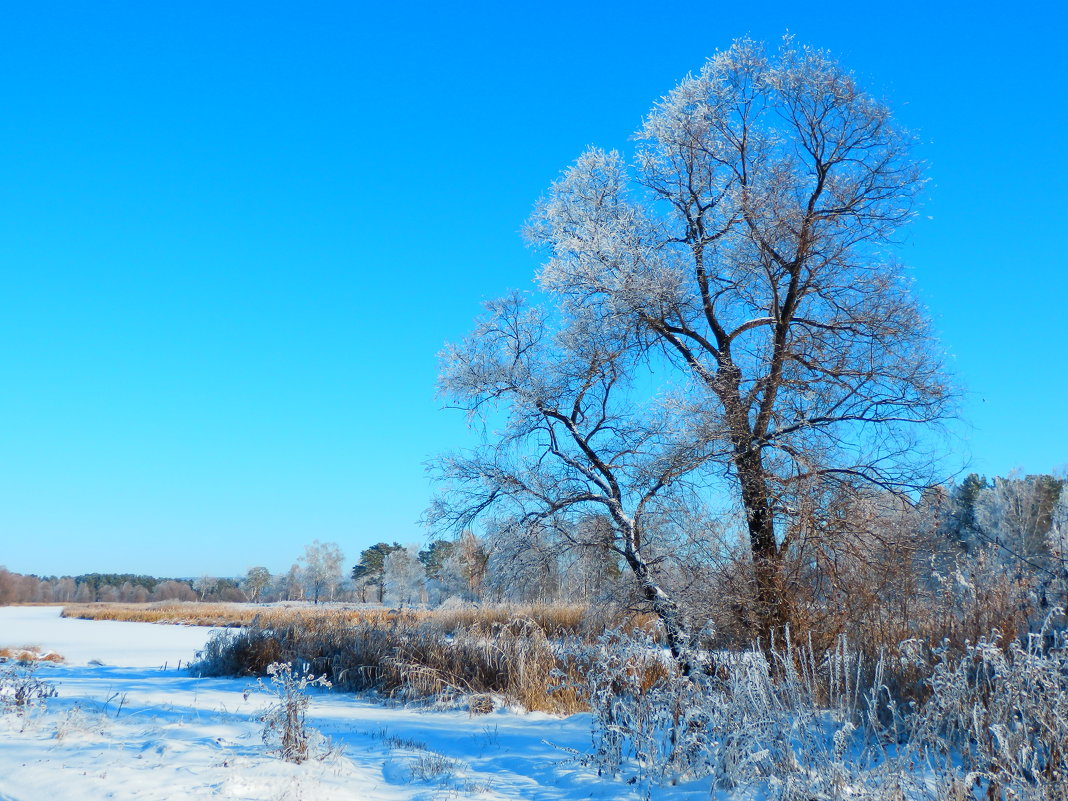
233, 237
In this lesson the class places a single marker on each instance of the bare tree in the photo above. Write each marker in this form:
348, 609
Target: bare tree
8, 586
320, 568
576, 442
1016, 514
746, 245
169, 590
523, 564
65, 589
293, 583
1058, 542
205, 586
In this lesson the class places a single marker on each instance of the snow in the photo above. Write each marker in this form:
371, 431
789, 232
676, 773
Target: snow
105, 641
135, 727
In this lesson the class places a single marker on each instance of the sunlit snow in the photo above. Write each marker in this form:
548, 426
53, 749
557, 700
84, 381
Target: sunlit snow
128, 729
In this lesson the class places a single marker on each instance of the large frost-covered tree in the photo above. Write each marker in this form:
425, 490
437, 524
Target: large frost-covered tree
747, 241
743, 249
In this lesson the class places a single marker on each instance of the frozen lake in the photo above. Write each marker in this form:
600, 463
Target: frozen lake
127, 730
108, 642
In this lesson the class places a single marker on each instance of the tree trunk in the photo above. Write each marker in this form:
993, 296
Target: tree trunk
770, 597
663, 605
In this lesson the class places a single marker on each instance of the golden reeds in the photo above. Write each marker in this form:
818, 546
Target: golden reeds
413, 656
29, 653
550, 618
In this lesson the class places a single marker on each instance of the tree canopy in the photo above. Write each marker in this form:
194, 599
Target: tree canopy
722, 312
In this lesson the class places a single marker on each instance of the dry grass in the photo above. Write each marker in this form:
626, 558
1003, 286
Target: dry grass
508, 651
405, 657
553, 619
186, 614
29, 653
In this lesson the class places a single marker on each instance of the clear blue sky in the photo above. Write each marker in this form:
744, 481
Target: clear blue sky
233, 237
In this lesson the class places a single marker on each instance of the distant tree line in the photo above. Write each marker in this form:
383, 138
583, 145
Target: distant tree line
114, 587
1006, 537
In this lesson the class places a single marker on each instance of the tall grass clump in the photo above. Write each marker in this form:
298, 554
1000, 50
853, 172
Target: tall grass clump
406, 658
795, 723
1002, 710
21, 689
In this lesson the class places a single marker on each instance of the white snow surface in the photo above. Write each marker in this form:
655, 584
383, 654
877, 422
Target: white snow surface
128, 729
106, 641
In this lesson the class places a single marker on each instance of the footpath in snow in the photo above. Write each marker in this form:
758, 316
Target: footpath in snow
128, 725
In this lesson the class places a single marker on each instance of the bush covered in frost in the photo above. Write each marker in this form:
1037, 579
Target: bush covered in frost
21, 689
787, 725
284, 727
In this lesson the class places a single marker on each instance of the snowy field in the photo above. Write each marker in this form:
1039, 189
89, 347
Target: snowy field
127, 724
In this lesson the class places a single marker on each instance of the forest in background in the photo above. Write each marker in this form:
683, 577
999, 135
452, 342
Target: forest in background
998, 548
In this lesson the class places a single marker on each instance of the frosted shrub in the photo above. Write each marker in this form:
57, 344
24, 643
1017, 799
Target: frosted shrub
791, 726
722, 721
20, 687
1004, 710
635, 694
783, 722
284, 728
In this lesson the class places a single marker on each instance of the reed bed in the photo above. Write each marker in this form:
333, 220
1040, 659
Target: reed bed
176, 612
407, 658
522, 654
553, 619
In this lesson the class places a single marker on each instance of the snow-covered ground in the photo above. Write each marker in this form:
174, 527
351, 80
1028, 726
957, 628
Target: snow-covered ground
128, 725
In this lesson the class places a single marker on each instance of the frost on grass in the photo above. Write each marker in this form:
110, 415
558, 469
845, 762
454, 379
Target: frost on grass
21, 689
789, 725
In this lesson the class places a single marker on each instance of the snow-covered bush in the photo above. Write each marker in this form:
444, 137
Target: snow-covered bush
787, 724
430, 766
1002, 711
779, 724
284, 727
639, 703
20, 687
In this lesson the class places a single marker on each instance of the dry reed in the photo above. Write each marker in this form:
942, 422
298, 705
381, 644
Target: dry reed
553, 619
407, 658
29, 653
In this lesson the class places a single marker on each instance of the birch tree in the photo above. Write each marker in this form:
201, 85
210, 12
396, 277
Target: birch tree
256, 580
320, 569
403, 576
1058, 543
